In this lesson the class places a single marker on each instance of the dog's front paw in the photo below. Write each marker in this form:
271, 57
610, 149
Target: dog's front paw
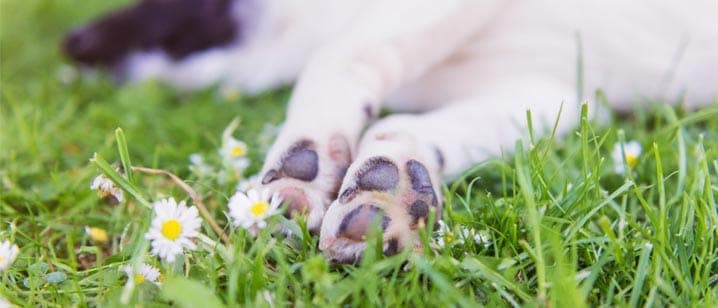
396, 194
307, 174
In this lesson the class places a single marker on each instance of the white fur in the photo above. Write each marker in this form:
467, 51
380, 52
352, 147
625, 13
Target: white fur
635, 49
473, 67
278, 37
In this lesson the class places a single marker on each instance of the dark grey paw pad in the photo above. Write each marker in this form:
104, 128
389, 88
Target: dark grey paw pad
419, 211
355, 224
419, 176
421, 184
377, 174
300, 162
392, 247
421, 181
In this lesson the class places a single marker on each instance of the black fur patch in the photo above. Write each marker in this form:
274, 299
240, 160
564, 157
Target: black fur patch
178, 27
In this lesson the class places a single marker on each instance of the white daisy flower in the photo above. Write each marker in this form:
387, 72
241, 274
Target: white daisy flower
249, 210
145, 273
106, 188
267, 296
583, 275
233, 151
199, 166
4, 303
249, 183
8, 253
173, 228
625, 156
444, 235
479, 237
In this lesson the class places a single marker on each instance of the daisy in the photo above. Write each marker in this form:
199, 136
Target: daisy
98, 235
145, 273
199, 166
249, 210
249, 183
444, 235
233, 151
8, 253
173, 228
106, 188
479, 237
4, 303
625, 156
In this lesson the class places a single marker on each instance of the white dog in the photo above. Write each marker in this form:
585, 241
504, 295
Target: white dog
464, 72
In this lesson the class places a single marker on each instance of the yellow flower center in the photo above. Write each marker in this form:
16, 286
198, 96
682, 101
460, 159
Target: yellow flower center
238, 151
171, 229
631, 160
97, 234
448, 238
259, 208
230, 94
139, 278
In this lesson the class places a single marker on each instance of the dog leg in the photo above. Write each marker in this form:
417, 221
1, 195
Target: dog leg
342, 87
397, 173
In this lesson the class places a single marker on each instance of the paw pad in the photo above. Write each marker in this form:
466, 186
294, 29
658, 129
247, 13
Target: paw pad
377, 174
300, 162
355, 224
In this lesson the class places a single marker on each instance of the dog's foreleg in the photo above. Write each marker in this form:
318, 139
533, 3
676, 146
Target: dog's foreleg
402, 159
343, 85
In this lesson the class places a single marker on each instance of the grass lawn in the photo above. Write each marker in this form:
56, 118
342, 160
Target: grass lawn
552, 223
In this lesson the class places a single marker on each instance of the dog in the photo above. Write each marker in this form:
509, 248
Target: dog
460, 75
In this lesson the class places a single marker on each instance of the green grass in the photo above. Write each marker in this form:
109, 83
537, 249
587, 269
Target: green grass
564, 228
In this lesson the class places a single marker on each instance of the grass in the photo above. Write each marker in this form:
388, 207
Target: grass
562, 228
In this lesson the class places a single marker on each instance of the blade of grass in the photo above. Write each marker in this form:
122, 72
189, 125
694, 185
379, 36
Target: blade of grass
124, 153
641, 273
121, 181
534, 219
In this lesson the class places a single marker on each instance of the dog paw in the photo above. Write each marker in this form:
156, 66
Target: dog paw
307, 175
395, 194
